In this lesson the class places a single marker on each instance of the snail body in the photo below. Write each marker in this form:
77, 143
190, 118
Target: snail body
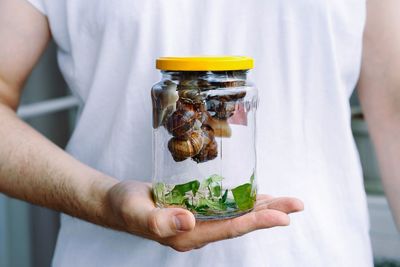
221, 127
164, 103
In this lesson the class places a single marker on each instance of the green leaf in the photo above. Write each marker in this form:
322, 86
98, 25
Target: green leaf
201, 209
174, 198
213, 183
230, 203
223, 198
184, 188
188, 205
243, 196
215, 205
215, 190
215, 178
158, 191
216, 200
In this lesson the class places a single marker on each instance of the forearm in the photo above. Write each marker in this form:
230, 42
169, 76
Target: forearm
379, 92
35, 170
386, 137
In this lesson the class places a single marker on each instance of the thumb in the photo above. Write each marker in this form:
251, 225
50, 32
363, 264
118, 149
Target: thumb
168, 222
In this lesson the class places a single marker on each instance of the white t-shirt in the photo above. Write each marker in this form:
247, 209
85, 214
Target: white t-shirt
307, 55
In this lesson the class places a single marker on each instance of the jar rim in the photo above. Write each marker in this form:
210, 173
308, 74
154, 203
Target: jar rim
205, 63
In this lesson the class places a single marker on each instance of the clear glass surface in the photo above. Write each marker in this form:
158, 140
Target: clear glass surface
204, 156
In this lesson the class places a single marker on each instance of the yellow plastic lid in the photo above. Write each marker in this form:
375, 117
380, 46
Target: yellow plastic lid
205, 63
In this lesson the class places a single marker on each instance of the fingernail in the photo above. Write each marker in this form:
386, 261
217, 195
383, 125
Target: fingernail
181, 223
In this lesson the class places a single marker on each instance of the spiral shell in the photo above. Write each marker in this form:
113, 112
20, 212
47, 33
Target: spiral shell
183, 148
209, 152
181, 122
223, 106
228, 83
210, 147
221, 109
191, 95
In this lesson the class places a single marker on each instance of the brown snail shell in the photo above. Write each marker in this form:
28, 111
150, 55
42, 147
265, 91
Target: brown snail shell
183, 148
229, 83
208, 132
181, 122
223, 106
221, 110
194, 106
191, 95
209, 152
210, 147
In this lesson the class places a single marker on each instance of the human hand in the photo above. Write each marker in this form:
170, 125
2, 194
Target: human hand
132, 203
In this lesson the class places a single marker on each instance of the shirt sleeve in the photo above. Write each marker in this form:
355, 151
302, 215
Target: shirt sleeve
39, 5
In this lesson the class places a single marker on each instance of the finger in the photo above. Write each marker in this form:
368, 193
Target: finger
143, 217
262, 199
168, 222
255, 221
283, 204
211, 231
263, 196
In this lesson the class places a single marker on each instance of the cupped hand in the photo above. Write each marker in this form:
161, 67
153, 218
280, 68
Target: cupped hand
133, 205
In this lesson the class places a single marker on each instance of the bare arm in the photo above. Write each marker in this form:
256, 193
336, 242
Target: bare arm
31, 167
35, 170
379, 91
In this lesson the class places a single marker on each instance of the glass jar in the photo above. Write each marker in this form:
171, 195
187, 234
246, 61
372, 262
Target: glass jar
204, 121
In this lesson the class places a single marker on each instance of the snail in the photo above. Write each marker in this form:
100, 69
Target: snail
230, 79
228, 83
189, 105
221, 127
223, 105
210, 147
204, 85
181, 122
221, 110
208, 132
209, 152
183, 148
191, 95
164, 102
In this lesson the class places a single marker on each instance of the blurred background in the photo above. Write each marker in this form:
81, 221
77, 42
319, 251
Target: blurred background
28, 233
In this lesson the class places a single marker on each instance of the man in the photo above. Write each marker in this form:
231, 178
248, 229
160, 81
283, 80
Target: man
308, 56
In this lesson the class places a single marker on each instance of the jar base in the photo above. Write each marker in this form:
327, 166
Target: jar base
225, 216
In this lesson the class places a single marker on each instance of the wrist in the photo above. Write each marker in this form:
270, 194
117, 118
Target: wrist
102, 211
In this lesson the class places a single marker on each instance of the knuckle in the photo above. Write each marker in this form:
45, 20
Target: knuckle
152, 225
